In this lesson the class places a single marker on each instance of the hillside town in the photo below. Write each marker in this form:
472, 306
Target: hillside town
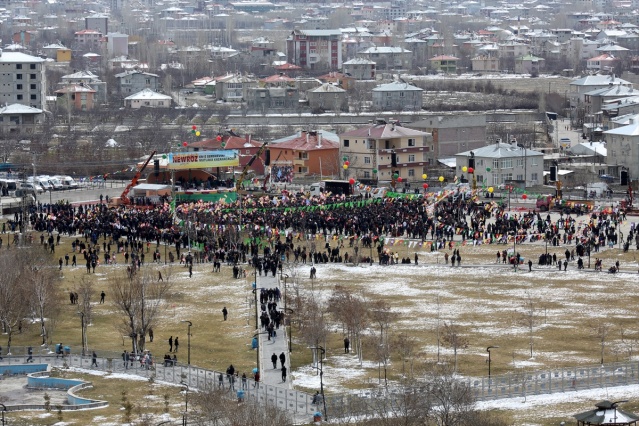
417, 213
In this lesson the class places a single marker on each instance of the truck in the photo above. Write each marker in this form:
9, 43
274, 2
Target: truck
548, 202
335, 187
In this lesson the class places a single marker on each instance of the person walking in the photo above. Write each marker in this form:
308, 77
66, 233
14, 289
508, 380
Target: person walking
283, 373
529, 265
171, 344
102, 296
225, 312
274, 360
244, 381
94, 359
282, 359
176, 344
347, 345
151, 335
30, 353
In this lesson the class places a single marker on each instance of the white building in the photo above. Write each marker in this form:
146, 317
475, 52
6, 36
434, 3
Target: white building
507, 162
147, 98
22, 80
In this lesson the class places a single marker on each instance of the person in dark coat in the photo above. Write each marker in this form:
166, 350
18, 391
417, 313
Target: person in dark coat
274, 360
171, 344
283, 373
347, 345
282, 359
225, 312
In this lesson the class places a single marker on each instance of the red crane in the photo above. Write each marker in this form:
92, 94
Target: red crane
124, 197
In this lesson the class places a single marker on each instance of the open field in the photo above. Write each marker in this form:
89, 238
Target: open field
486, 301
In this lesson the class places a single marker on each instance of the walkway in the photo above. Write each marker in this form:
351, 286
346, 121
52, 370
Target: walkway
275, 346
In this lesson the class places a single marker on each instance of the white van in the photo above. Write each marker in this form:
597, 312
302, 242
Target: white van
31, 188
67, 182
44, 183
55, 183
8, 185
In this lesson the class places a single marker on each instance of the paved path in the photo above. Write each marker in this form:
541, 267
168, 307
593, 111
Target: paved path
275, 346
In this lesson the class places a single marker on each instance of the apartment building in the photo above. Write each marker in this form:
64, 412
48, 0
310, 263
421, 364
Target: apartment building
22, 80
315, 48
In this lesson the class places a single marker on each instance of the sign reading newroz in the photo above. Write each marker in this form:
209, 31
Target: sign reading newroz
203, 159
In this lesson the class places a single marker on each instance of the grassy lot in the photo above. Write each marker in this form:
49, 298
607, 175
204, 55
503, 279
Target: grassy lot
487, 302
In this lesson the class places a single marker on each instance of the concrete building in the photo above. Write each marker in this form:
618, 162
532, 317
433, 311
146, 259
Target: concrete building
444, 63
484, 63
19, 119
315, 48
265, 99
397, 96
453, 134
622, 144
529, 64
147, 98
86, 78
88, 39
234, 88
369, 149
22, 80
117, 44
388, 57
135, 81
97, 22
507, 162
360, 69
327, 97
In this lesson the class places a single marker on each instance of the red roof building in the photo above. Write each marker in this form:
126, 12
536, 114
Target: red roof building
309, 153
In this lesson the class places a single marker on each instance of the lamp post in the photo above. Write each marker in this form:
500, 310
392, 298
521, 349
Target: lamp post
257, 350
287, 310
323, 351
489, 360
4, 408
81, 313
188, 341
186, 403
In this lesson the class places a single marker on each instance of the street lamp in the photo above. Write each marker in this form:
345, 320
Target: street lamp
257, 349
84, 337
489, 360
186, 403
188, 342
323, 351
4, 408
290, 329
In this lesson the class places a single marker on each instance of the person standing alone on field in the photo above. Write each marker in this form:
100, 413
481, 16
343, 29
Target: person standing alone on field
225, 312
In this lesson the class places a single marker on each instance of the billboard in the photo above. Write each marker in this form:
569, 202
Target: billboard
203, 159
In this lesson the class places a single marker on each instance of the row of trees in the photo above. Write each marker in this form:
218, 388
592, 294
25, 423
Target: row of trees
28, 294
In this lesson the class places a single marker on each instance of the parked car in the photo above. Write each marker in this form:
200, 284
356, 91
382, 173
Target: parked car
31, 188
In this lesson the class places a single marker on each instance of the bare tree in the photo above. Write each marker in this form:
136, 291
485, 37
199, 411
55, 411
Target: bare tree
44, 300
350, 309
85, 309
452, 338
217, 407
452, 400
405, 346
14, 296
529, 318
629, 340
600, 329
140, 298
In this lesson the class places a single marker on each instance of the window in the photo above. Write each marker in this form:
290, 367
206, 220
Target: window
480, 178
367, 160
520, 162
32, 66
411, 142
148, 81
347, 142
388, 94
32, 87
18, 66
34, 97
411, 158
367, 175
495, 164
401, 94
533, 177
534, 161
32, 76
19, 97
161, 103
411, 172
18, 76
520, 177
19, 87
507, 163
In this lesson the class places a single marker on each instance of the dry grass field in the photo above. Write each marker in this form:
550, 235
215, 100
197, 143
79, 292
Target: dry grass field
491, 304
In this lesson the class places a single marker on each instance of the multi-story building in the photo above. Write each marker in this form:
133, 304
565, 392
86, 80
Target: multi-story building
135, 81
89, 39
86, 78
360, 68
388, 57
79, 97
97, 22
397, 96
234, 88
315, 48
369, 149
453, 134
307, 153
22, 80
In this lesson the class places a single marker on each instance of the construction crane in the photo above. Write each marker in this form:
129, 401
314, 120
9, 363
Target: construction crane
238, 184
124, 197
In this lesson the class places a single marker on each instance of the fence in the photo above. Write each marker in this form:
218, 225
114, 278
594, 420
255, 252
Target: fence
295, 402
361, 402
